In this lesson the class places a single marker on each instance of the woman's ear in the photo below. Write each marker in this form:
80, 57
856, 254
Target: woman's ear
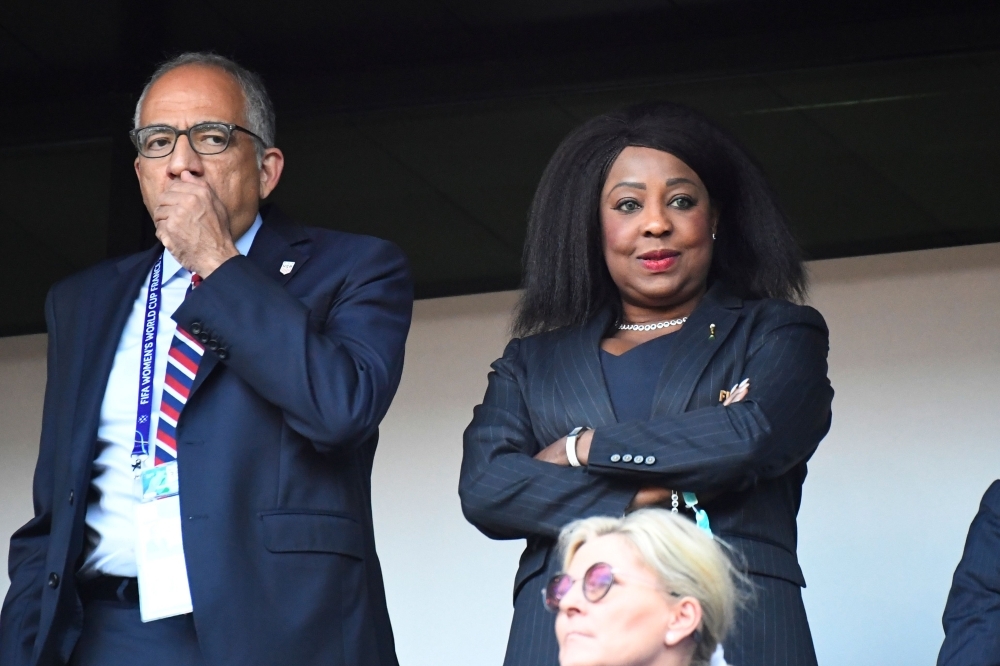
685, 618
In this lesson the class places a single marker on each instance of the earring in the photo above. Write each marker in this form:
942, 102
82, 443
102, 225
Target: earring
713, 235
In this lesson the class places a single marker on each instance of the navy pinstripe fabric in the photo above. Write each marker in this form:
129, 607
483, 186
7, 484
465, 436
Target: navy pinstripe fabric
972, 614
747, 461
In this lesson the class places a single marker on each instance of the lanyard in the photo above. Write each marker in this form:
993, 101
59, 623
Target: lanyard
147, 365
691, 502
701, 518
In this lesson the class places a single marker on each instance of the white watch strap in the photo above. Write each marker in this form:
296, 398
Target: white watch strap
571, 446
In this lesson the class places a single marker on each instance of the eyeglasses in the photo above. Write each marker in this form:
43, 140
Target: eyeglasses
205, 138
597, 582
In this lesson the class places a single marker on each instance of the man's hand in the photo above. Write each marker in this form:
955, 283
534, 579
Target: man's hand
193, 225
556, 451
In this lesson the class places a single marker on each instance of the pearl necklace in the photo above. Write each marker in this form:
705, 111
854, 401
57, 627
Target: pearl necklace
652, 327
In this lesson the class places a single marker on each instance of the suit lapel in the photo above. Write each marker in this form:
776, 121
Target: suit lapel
694, 348
579, 378
277, 243
111, 305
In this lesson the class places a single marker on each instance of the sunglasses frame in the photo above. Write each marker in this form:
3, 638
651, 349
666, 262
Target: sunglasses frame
553, 582
548, 596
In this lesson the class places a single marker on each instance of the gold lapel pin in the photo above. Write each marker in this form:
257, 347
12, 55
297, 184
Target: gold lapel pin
711, 331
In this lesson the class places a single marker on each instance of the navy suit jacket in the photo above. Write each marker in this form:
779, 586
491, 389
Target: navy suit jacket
747, 461
972, 614
275, 449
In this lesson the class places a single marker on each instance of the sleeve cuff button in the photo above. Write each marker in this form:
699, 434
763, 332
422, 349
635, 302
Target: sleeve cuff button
615, 458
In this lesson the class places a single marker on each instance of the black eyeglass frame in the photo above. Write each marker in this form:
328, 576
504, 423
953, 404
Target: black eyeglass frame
230, 127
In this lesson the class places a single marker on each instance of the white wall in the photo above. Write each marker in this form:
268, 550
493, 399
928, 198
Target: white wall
449, 587
22, 390
915, 352
915, 363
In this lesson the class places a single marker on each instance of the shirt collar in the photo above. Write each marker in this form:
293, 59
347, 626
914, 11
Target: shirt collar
172, 268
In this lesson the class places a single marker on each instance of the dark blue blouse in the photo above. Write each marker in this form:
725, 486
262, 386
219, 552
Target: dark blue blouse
631, 378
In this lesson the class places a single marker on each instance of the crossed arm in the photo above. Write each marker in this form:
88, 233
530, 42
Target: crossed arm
512, 489
557, 454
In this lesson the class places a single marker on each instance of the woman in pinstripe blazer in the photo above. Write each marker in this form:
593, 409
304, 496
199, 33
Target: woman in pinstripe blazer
653, 222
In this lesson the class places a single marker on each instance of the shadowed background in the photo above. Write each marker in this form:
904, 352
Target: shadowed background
430, 123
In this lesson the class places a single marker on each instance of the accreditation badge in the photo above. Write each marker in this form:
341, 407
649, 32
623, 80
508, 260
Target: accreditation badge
163, 582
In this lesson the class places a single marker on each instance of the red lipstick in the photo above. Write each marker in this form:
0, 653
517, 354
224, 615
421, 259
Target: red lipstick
658, 261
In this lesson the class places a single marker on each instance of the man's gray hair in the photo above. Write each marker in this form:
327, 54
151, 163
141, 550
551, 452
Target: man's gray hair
259, 110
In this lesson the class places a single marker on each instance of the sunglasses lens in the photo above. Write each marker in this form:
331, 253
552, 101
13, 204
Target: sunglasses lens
597, 581
556, 590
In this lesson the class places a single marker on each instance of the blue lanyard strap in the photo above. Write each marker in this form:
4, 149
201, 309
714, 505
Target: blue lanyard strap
147, 364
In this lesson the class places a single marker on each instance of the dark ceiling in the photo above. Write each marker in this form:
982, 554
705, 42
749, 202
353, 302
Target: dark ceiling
430, 123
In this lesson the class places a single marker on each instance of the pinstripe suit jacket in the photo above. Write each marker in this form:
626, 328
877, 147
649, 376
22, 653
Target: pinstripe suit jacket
747, 461
972, 614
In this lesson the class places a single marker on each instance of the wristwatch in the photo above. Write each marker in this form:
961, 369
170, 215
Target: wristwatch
571, 445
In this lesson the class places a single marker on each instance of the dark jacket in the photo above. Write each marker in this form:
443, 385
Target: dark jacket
275, 450
972, 614
747, 461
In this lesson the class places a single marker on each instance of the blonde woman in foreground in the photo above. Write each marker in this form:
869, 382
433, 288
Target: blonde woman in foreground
654, 590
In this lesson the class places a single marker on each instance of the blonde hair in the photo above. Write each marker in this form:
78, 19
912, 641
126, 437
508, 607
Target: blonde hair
686, 560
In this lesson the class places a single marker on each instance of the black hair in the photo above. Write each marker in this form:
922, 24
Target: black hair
566, 280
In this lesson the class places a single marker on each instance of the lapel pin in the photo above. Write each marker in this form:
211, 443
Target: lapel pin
711, 331
286, 267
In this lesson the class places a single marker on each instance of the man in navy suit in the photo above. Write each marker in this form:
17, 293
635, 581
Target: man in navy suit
262, 356
972, 614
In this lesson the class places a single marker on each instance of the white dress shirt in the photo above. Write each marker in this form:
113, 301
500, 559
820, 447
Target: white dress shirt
110, 547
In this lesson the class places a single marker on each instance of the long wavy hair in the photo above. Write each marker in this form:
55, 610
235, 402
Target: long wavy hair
565, 278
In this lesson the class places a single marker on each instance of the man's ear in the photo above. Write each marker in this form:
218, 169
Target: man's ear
685, 618
271, 166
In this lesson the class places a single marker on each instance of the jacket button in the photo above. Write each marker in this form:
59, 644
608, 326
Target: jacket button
638, 460
212, 344
222, 353
650, 460
627, 457
196, 327
615, 457
203, 336
72, 496
53, 580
